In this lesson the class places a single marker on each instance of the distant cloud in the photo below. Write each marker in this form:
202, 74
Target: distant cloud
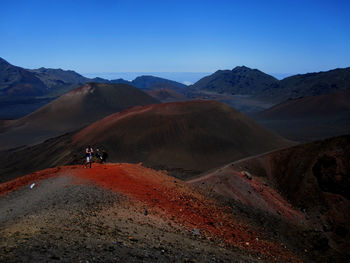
187, 83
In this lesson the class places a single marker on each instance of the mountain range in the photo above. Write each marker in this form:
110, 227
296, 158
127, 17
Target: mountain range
24, 90
248, 90
252, 82
16, 81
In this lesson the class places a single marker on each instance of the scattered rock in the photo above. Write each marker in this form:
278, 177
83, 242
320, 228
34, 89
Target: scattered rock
195, 231
248, 175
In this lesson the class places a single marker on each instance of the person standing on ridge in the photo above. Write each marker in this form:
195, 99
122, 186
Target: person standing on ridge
88, 154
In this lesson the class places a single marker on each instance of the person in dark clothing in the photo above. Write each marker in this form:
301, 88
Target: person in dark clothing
104, 156
88, 154
99, 155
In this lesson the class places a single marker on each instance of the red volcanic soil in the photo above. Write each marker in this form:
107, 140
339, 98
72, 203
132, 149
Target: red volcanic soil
252, 191
315, 178
172, 200
8, 187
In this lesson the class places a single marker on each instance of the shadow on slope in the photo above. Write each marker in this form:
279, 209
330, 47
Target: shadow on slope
313, 177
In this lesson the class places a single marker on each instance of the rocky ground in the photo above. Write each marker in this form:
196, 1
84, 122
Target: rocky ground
127, 213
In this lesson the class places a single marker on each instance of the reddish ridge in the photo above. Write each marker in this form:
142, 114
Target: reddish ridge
171, 199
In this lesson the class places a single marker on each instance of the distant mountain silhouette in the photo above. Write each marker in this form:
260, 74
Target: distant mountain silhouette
18, 82
120, 81
72, 111
144, 82
54, 78
312, 84
240, 80
99, 80
248, 90
22, 91
246, 81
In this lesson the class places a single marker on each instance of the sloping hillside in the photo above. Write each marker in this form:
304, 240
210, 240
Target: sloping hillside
72, 111
314, 177
18, 82
184, 137
128, 213
335, 104
309, 118
166, 92
54, 78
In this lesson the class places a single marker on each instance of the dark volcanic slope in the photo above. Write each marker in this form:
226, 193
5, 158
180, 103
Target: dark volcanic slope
310, 118
166, 92
314, 177
316, 83
71, 111
240, 80
310, 84
53, 78
195, 135
328, 105
16, 81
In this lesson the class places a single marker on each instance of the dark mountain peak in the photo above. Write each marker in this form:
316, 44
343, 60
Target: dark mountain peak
3, 62
100, 80
146, 81
240, 80
241, 69
54, 70
16, 81
120, 80
315, 83
146, 77
222, 71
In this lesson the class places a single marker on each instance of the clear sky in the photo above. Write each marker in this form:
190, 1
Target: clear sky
275, 36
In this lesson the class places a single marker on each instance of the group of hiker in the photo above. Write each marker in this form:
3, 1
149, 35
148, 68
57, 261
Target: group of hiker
101, 156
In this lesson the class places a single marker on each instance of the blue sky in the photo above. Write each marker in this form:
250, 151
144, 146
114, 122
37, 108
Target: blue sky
176, 36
